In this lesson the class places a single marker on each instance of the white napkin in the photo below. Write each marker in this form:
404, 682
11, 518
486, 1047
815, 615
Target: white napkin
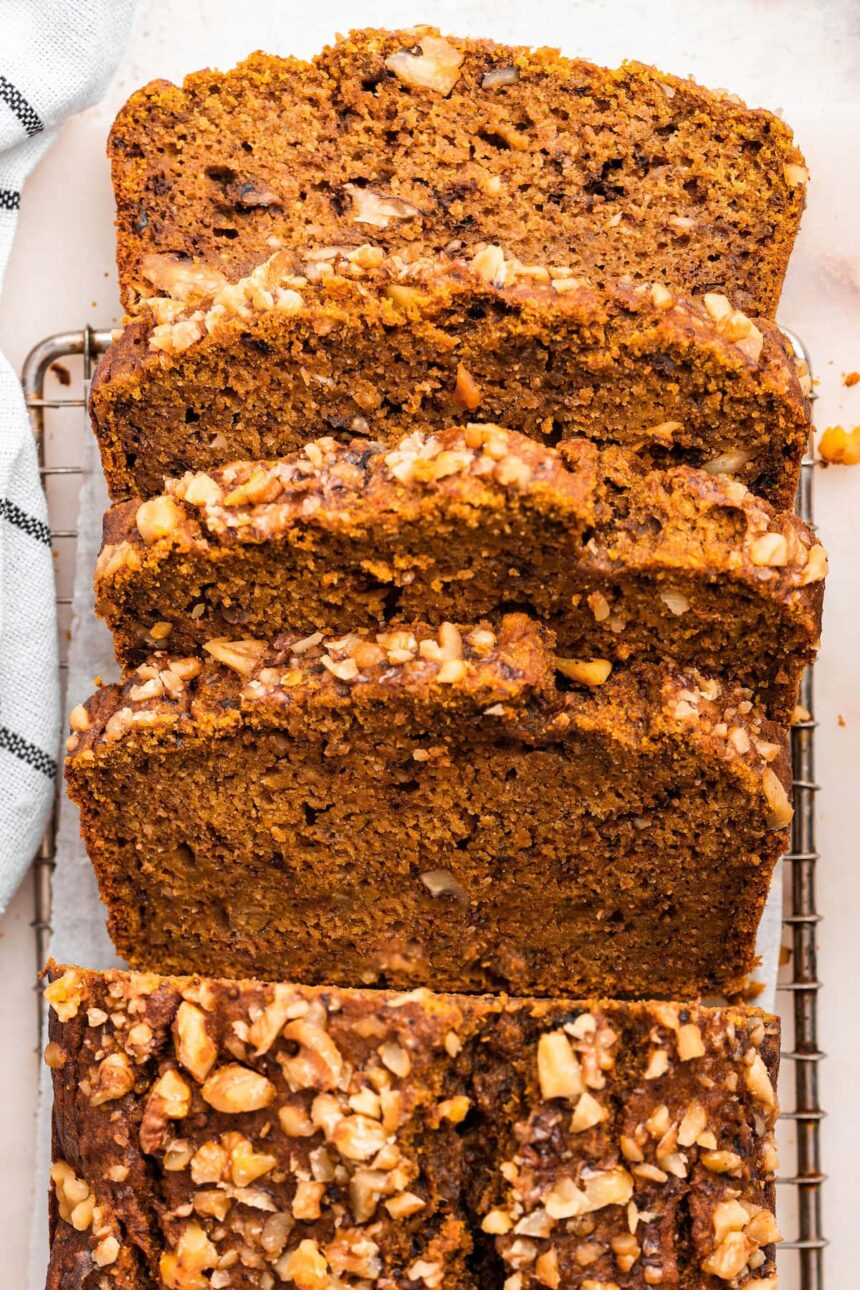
56, 57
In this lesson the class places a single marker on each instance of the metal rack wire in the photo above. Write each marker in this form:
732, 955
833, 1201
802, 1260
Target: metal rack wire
798, 984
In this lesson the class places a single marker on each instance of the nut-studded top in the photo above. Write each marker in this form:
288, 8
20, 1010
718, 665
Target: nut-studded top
236, 1134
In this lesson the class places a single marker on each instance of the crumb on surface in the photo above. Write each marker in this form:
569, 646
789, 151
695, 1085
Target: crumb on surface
840, 447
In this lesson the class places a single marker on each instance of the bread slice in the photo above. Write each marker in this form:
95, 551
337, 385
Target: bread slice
621, 562
420, 807
422, 140
415, 226
347, 343
337, 1137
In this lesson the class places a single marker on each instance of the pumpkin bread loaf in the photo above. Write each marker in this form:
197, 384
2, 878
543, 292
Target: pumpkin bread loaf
213, 370
422, 141
417, 226
432, 807
621, 562
235, 1134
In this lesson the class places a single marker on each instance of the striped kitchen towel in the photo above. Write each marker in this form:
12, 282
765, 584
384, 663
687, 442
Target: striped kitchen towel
56, 57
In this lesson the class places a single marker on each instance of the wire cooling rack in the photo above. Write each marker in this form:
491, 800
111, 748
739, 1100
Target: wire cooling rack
800, 1259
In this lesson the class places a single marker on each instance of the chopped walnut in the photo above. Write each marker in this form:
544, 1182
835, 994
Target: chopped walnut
182, 1267
559, 1072
242, 656
234, 1089
195, 1049
781, 811
115, 1078
65, 995
435, 67
75, 1199
377, 209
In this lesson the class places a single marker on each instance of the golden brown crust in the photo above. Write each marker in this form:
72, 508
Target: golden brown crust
425, 140
620, 561
408, 1141
420, 764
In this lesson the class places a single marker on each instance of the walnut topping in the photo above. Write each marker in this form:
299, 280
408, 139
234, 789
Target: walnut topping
358, 1137
65, 995
816, 565
266, 1027
79, 719
693, 1124
377, 209
306, 1266
559, 1072
436, 67
734, 325
587, 1113
242, 656
658, 1063
781, 810
198, 490
182, 1267
318, 1064
497, 1222
770, 550
74, 1198
306, 1201
106, 1252
721, 1162
157, 518
195, 1049
599, 1189
758, 1080
234, 1089
489, 263
730, 1257
246, 1164
396, 1059
209, 1163
115, 1078
690, 1042
181, 279
169, 1099
547, 1270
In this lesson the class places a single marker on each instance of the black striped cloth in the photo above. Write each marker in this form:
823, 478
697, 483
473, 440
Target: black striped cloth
56, 57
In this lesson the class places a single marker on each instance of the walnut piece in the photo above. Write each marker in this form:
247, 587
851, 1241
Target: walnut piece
436, 67
234, 1089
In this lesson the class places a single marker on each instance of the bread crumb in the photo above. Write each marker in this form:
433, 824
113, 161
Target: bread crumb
851, 378
840, 721
840, 447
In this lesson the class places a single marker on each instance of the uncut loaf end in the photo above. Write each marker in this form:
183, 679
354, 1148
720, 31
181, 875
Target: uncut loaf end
232, 1133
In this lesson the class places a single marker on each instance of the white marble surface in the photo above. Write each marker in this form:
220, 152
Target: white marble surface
800, 56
